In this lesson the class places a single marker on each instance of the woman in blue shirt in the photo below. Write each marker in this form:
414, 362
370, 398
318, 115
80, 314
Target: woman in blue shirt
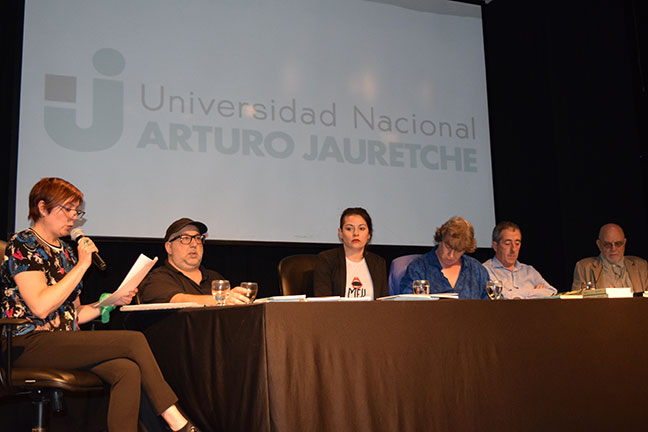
446, 266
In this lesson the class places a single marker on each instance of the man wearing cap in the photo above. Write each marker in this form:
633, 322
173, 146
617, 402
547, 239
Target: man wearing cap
182, 278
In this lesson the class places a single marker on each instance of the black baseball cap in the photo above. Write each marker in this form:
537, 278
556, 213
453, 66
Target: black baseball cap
181, 223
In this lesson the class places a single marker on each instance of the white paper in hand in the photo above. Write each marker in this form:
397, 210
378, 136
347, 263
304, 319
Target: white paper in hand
142, 266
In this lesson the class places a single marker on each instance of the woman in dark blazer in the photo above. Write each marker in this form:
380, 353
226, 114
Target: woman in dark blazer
349, 270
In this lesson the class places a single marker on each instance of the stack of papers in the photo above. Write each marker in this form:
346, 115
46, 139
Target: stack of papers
608, 293
599, 293
619, 292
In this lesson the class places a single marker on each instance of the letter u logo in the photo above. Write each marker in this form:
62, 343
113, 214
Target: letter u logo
107, 107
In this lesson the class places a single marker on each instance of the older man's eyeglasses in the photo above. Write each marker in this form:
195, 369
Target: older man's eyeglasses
186, 239
608, 245
71, 212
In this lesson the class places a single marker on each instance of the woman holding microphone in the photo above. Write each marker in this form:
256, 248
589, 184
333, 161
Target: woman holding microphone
41, 282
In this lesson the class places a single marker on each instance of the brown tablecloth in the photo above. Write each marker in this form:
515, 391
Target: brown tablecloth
450, 365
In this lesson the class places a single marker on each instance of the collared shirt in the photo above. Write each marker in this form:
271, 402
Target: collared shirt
471, 283
614, 275
520, 282
161, 284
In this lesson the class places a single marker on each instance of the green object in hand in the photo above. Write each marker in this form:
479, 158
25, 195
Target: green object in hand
105, 310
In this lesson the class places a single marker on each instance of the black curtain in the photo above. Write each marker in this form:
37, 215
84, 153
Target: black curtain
567, 102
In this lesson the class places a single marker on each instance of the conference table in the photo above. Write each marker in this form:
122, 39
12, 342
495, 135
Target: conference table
447, 365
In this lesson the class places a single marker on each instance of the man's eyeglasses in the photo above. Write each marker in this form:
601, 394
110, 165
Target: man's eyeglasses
186, 239
71, 212
608, 245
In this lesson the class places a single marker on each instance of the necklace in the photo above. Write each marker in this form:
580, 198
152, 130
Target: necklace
55, 247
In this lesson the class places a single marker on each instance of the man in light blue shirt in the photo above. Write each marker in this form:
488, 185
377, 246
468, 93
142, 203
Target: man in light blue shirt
518, 280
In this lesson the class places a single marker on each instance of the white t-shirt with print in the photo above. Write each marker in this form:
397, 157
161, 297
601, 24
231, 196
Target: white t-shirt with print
358, 279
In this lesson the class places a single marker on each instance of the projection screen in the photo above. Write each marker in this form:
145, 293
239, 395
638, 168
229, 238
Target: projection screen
263, 119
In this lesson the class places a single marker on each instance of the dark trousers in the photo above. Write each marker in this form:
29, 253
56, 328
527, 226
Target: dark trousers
122, 359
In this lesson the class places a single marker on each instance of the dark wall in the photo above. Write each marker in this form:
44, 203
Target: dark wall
568, 108
11, 17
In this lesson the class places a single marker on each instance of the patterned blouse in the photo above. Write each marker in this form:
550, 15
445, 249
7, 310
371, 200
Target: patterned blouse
27, 251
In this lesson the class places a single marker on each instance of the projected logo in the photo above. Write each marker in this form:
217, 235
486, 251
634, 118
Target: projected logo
107, 106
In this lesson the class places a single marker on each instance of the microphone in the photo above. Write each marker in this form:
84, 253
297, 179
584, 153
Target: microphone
76, 235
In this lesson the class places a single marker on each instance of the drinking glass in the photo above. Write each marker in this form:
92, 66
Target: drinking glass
421, 287
494, 289
251, 290
220, 289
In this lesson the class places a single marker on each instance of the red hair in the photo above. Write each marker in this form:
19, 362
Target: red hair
52, 191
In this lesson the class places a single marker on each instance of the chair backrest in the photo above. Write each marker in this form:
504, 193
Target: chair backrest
296, 274
397, 271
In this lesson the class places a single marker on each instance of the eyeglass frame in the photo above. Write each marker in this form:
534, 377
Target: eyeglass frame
608, 245
79, 213
199, 238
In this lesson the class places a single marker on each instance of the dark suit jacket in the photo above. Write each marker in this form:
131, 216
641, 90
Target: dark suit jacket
330, 273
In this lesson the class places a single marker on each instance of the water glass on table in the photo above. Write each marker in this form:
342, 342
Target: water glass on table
220, 289
494, 289
421, 287
251, 290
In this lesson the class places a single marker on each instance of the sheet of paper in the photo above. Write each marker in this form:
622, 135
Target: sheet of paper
323, 299
409, 297
159, 306
352, 299
142, 266
415, 297
288, 298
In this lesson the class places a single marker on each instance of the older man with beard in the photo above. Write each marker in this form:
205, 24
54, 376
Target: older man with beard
612, 269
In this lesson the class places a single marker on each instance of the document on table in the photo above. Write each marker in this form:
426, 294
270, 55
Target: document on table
323, 299
159, 306
409, 297
619, 292
142, 266
354, 299
421, 297
278, 299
